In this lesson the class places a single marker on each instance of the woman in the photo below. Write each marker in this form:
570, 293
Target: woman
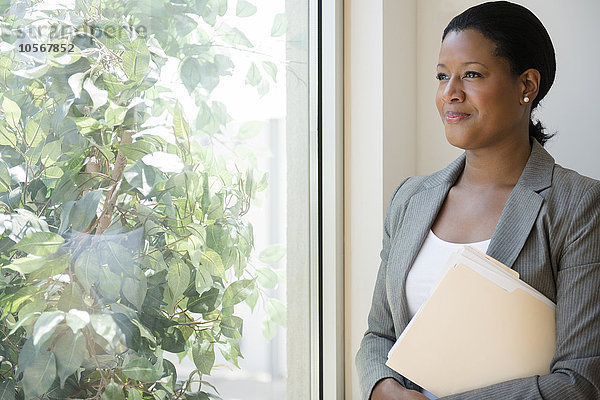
506, 196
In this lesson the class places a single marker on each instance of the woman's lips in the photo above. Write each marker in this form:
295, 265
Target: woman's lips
453, 117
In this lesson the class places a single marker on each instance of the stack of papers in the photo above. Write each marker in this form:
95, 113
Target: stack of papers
481, 325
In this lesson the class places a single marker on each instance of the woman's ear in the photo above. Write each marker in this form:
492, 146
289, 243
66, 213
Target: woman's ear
530, 82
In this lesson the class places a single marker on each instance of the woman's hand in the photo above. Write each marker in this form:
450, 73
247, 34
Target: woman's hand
390, 389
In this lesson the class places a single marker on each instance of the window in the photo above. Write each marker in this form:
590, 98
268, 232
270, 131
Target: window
157, 195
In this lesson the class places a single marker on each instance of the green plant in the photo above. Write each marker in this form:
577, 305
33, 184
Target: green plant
123, 232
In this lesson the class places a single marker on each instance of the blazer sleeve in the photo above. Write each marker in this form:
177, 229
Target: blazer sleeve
575, 368
380, 335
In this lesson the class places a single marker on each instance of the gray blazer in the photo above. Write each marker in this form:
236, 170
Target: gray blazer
549, 232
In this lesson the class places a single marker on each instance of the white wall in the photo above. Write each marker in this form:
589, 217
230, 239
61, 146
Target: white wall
392, 129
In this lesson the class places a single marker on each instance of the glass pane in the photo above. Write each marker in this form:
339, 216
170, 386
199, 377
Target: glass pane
144, 197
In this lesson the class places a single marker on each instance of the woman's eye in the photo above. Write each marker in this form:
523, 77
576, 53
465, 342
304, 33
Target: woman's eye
472, 74
441, 76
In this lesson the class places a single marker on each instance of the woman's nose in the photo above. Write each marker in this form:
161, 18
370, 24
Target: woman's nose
453, 91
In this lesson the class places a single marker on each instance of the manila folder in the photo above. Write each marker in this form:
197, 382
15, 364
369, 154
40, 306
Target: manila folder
472, 333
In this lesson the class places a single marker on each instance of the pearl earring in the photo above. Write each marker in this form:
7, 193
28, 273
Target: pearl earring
526, 99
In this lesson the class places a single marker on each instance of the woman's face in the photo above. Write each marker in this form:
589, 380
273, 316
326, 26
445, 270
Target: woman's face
478, 98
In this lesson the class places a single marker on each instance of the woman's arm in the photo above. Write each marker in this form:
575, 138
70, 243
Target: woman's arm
380, 335
575, 368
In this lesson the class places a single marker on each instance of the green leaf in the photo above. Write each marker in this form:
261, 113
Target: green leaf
109, 284
76, 83
173, 340
106, 327
231, 351
136, 60
37, 305
12, 302
181, 127
267, 278
99, 97
77, 319
237, 292
117, 256
136, 150
223, 64
280, 25
190, 74
84, 210
142, 370
141, 176
134, 394
272, 254
114, 115
115, 86
87, 125
50, 152
184, 25
250, 129
271, 69
37, 129
244, 9
27, 265
253, 76
7, 390
221, 6
204, 279
46, 325
87, 268
70, 352
71, 298
263, 88
12, 112
205, 303
27, 356
178, 279
212, 261
24, 320
7, 138
113, 391
231, 326
51, 268
134, 290
58, 119
39, 375
163, 161
276, 311
203, 355
122, 316
235, 37
40, 243
33, 73
209, 75
5, 180
252, 299
263, 183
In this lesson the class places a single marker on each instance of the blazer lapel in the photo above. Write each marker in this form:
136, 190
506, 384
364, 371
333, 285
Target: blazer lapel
419, 216
515, 223
522, 207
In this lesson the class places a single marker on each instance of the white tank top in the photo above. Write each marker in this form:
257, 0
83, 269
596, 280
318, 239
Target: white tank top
427, 269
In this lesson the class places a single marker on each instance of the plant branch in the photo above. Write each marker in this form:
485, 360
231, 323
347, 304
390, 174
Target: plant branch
112, 194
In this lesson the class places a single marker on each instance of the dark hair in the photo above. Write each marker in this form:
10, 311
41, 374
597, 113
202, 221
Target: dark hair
520, 38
